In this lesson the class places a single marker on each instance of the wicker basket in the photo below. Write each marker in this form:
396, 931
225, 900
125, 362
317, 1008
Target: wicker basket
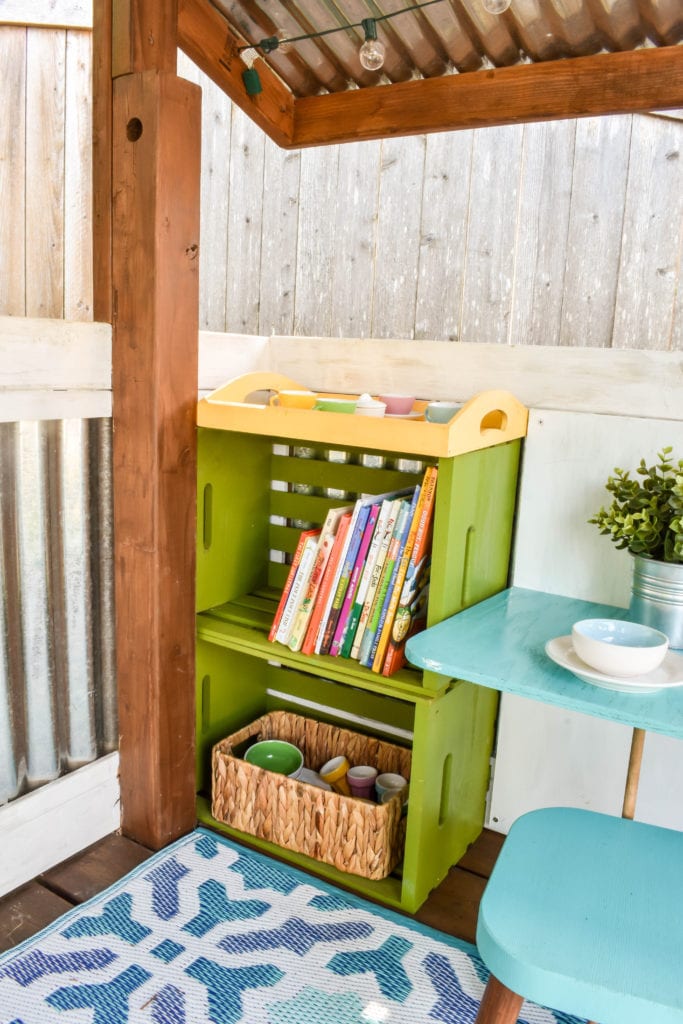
355, 836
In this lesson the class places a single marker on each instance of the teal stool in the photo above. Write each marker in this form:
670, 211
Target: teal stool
584, 913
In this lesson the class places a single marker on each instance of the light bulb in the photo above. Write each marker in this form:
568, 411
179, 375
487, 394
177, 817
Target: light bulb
371, 53
496, 6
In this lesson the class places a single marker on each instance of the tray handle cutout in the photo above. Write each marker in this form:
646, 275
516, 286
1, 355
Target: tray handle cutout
242, 388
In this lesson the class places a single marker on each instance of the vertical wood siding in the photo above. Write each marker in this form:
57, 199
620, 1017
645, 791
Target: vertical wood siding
45, 173
562, 233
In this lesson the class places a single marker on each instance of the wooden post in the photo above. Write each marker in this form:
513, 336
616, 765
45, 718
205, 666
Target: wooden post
156, 129
101, 160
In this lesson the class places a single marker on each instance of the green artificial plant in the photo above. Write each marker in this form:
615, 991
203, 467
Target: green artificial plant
646, 515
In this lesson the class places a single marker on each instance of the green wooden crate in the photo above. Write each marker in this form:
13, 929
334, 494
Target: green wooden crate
254, 494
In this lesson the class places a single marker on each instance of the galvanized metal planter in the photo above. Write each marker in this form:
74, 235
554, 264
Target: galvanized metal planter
657, 597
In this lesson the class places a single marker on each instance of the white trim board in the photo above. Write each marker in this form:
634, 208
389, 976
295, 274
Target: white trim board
54, 369
47, 13
54, 354
57, 821
611, 381
52, 357
54, 405
225, 356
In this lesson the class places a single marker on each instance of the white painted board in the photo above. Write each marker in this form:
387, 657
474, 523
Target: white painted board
547, 756
58, 820
47, 13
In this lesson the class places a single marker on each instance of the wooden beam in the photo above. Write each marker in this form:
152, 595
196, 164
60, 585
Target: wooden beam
144, 35
208, 40
609, 83
156, 146
101, 159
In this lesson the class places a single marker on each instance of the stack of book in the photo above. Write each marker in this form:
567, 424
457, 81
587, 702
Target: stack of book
357, 587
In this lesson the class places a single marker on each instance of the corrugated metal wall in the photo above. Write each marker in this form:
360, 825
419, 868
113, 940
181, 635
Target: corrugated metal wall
57, 678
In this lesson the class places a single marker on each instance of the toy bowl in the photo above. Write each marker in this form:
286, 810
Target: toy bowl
618, 648
276, 756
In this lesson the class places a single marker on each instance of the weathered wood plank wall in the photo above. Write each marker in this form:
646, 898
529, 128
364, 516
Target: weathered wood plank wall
45, 173
562, 233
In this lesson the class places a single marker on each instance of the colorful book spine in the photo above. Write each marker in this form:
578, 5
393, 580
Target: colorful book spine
321, 603
397, 584
356, 532
375, 577
296, 594
325, 542
366, 575
389, 582
289, 581
351, 590
364, 654
411, 611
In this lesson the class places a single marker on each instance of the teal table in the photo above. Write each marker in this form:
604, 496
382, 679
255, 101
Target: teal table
500, 643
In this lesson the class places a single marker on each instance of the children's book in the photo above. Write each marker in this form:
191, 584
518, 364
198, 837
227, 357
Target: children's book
387, 620
325, 542
363, 502
389, 581
376, 576
298, 590
411, 613
364, 654
356, 531
289, 581
364, 582
328, 576
351, 590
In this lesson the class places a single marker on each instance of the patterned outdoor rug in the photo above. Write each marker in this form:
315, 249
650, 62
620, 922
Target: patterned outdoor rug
206, 931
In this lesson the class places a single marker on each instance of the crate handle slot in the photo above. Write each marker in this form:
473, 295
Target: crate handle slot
207, 518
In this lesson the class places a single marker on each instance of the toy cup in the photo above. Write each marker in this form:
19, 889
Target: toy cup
333, 772
361, 780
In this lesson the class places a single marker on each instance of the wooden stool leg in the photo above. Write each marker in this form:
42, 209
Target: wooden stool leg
499, 1005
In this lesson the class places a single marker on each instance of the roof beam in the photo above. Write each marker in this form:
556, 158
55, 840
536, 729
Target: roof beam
208, 40
608, 83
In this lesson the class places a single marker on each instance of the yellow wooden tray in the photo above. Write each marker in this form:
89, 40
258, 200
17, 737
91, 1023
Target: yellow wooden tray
487, 419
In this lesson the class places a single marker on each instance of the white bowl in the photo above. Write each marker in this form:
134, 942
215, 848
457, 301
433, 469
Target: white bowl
618, 648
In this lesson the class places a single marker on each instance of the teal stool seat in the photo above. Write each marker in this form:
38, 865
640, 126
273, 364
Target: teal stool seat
584, 913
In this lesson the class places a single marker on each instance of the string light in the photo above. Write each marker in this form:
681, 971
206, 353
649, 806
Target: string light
371, 54
496, 6
250, 77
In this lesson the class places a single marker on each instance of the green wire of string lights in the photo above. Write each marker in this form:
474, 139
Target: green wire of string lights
371, 52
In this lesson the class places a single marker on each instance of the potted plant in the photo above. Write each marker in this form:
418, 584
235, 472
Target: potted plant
646, 518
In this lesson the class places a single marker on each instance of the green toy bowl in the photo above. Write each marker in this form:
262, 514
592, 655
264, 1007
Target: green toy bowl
276, 756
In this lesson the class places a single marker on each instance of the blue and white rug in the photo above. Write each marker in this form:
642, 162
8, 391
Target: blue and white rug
206, 931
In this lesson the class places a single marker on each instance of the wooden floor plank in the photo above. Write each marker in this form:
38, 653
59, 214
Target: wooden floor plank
482, 854
452, 907
94, 869
25, 911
